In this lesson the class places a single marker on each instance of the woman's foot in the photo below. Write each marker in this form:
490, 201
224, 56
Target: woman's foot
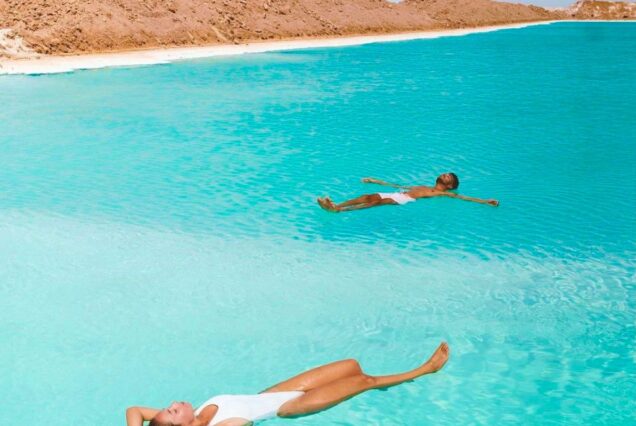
438, 359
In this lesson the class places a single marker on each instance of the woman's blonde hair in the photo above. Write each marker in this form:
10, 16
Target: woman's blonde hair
155, 422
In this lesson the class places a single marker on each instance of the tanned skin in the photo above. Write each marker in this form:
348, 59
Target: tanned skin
443, 185
323, 387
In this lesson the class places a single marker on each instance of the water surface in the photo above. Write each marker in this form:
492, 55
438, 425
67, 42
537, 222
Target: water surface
159, 237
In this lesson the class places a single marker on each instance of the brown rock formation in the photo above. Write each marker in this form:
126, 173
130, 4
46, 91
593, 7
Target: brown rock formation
591, 9
76, 26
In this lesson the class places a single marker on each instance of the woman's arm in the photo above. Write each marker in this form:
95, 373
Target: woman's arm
490, 201
135, 416
381, 182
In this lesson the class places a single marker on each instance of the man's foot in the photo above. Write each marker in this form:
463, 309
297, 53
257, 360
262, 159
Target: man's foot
327, 204
331, 203
438, 359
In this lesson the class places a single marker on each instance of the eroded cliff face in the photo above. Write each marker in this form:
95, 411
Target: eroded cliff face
81, 26
591, 9
13, 46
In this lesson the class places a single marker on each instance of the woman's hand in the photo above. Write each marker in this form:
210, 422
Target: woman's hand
492, 202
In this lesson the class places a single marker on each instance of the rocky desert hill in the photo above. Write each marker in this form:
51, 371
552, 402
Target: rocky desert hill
591, 9
79, 26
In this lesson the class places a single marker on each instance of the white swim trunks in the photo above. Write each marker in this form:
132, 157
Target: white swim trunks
249, 407
399, 197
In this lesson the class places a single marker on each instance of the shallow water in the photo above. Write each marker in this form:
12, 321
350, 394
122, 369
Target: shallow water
159, 238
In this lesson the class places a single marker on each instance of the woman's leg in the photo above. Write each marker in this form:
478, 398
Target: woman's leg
333, 393
318, 376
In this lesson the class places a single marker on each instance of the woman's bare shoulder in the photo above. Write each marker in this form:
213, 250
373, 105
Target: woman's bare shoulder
208, 413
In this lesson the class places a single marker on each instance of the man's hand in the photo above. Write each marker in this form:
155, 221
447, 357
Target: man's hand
493, 203
371, 180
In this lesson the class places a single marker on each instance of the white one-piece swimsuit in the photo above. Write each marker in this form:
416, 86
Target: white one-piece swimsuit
248, 407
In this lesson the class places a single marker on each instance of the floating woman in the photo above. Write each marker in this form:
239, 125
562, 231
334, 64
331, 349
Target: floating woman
307, 393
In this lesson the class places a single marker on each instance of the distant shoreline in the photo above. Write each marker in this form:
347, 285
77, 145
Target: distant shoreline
53, 64
45, 64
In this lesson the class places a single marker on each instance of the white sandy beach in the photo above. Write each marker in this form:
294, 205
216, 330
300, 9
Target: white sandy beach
44, 64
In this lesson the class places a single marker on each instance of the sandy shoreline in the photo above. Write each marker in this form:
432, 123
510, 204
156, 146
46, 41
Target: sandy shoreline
59, 64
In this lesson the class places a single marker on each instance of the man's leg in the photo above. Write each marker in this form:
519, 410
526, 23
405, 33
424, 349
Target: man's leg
333, 393
362, 202
376, 203
363, 199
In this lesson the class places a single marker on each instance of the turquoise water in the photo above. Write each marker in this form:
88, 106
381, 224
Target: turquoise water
159, 238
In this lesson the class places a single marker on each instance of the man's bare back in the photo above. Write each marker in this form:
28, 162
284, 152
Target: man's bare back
443, 184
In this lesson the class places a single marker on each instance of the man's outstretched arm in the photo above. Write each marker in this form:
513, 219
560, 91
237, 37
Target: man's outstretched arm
490, 201
381, 182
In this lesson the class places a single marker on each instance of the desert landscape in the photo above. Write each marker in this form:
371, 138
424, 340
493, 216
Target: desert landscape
57, 27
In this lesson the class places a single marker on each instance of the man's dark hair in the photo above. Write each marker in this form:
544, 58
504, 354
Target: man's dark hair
454, 181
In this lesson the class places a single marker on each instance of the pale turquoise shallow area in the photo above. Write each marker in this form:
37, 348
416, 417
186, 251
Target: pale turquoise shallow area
159, 238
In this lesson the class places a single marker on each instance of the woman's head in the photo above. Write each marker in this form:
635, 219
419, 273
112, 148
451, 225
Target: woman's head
177, 414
